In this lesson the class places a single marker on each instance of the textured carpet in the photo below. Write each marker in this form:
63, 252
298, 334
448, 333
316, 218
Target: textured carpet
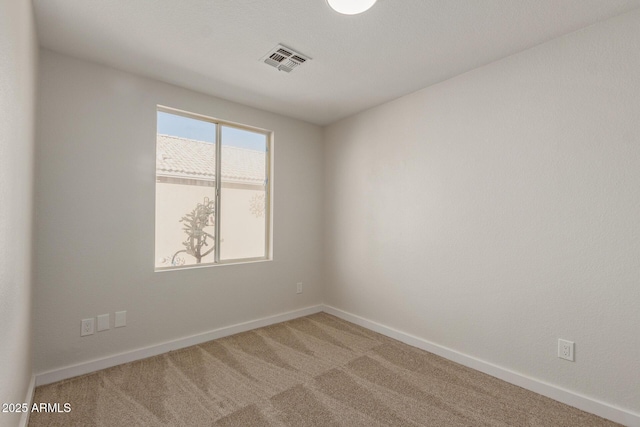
314, 371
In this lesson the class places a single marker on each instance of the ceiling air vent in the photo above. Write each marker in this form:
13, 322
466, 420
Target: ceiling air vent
284, 58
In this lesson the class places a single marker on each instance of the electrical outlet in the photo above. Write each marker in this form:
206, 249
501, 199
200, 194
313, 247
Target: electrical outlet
566, 349
103, 322
299, 288
87, 327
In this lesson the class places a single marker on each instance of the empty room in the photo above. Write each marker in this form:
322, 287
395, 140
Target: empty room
320, 213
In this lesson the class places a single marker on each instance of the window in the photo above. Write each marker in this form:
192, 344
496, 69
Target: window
212, 191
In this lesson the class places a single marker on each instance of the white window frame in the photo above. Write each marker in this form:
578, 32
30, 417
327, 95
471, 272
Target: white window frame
218, 188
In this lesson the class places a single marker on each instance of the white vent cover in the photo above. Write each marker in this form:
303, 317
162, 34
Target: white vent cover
284, 58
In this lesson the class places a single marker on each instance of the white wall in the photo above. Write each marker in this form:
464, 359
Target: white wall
94, 221
500, 210
18, 55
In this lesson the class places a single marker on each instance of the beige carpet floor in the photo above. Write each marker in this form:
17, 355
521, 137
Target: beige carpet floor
314, 371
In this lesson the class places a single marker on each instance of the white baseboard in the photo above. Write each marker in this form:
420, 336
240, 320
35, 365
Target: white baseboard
142, 353
570, 398
24, 419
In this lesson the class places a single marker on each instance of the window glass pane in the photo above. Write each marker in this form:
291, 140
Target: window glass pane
244, 198
185, 191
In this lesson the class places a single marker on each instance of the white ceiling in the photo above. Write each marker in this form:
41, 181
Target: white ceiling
397, 47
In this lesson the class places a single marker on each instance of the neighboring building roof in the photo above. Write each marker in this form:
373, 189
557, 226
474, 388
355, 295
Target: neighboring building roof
187, 158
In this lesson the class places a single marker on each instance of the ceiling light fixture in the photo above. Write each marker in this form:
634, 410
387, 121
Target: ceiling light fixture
351, 7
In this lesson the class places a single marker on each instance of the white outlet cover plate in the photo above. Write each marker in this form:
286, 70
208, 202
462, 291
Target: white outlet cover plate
103, 322
121, 319
299, 287
566, 349
86, 327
